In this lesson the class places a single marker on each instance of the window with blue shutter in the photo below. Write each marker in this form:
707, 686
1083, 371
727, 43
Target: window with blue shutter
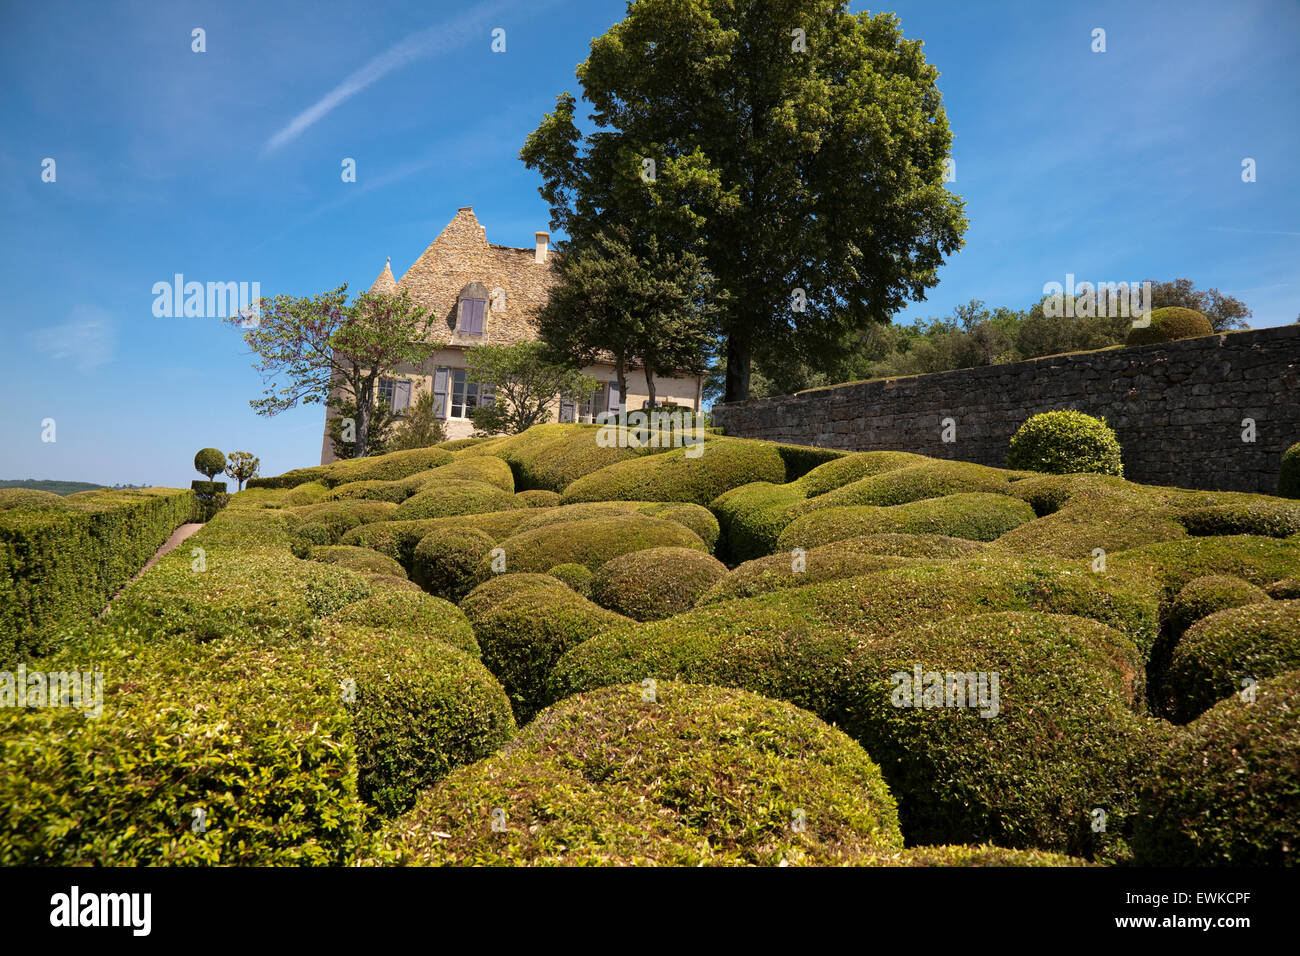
471, 316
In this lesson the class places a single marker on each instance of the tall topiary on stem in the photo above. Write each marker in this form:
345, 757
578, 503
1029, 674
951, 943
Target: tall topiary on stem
1066, 442
209, 462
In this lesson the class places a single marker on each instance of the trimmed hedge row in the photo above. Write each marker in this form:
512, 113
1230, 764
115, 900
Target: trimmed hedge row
717, 466
590, 542
693, 776
445, 498
552, 456
59, 566
975, 516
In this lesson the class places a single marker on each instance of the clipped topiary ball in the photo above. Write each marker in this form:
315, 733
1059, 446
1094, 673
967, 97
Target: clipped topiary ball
209, 462
666, 774
576, 576
1228, 792
1066, 442
656, 583
1288, 478
1170, 324
445, 562
1207, 595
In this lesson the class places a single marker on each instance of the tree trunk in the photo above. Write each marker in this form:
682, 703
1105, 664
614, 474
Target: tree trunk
620, 370
650, 382
360, 446
738, 357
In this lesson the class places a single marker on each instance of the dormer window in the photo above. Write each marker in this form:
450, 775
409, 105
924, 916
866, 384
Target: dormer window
471, 307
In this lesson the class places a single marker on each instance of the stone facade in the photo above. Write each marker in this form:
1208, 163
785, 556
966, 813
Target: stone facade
1179, 408
516, 283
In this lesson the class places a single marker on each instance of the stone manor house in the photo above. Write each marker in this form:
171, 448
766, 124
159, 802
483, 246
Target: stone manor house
484, 293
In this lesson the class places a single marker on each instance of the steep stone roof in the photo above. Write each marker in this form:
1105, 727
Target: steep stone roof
461, 255
385, 281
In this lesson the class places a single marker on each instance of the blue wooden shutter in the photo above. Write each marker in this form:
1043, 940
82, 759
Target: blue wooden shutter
401, 394
471, 316
613, 397
441, 376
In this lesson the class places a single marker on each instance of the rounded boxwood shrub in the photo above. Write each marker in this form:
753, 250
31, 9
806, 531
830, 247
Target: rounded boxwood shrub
983, 855
492, 592
694, 776
1287, 589
209, 462
1022, 768
523, 633
929, 479
484, 468
576, 576
1172, 564
389, 467
28, 498
1066, 442
415, 614
1170, 324
442, 499
696, 517
1288, 476
445, 562
656, 582
976, 516
1201, 597
538, 498
551, 456
590, 542
358, 559
1209, 663
1227, 792
394, 491
1267, 517
419, 709
717, 466
778, 572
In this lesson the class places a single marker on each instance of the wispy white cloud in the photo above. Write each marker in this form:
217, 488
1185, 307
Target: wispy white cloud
436, 39
87, 340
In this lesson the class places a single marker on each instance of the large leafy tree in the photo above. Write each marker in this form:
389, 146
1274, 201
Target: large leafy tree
311, 345
525, 382
801, 146
651, 307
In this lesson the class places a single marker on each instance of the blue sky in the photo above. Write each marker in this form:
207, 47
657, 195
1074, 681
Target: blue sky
225, 166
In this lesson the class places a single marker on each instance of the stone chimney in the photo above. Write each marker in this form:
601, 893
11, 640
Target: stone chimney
543, 240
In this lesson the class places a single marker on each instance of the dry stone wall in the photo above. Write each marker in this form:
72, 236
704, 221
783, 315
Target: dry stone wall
1184, 411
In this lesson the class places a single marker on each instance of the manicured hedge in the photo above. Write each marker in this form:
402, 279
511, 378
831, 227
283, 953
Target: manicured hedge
719, 465
390, 467
446, 561
60, 566
576, 576
1066, 442
538, 498
393, 491
358, 559
1227, 793
485, 468
1209, 663
801, 459
1170, 324
590, 542
752, 517
550, 457
443, 499
1173, 563
1288, 476
523, 633
976, 516
932, 479
984, 855
28, 498
421, 709
1266, 516
1063, 739
256, 737
1201, 597
398, 539
793, 644
696, 776
656, 582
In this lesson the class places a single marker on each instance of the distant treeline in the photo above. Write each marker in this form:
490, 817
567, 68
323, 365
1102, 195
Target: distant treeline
59, 487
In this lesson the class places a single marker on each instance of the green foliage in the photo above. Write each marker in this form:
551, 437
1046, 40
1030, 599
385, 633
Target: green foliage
341, 429
524, 381
1170, 324
975, 516
242, 465
1063, 740
538, 498
415, 614
1288, 477
358, 559
656, 582
549, 457
1250, 642
440, 499
445, 562
590, 542
696, 776
1066, 442
209, 462
527, 629
57, 488
60, 566
983, 855
847, 138
1227, 792
1207, 595
576, 576
695, 475
323, 345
